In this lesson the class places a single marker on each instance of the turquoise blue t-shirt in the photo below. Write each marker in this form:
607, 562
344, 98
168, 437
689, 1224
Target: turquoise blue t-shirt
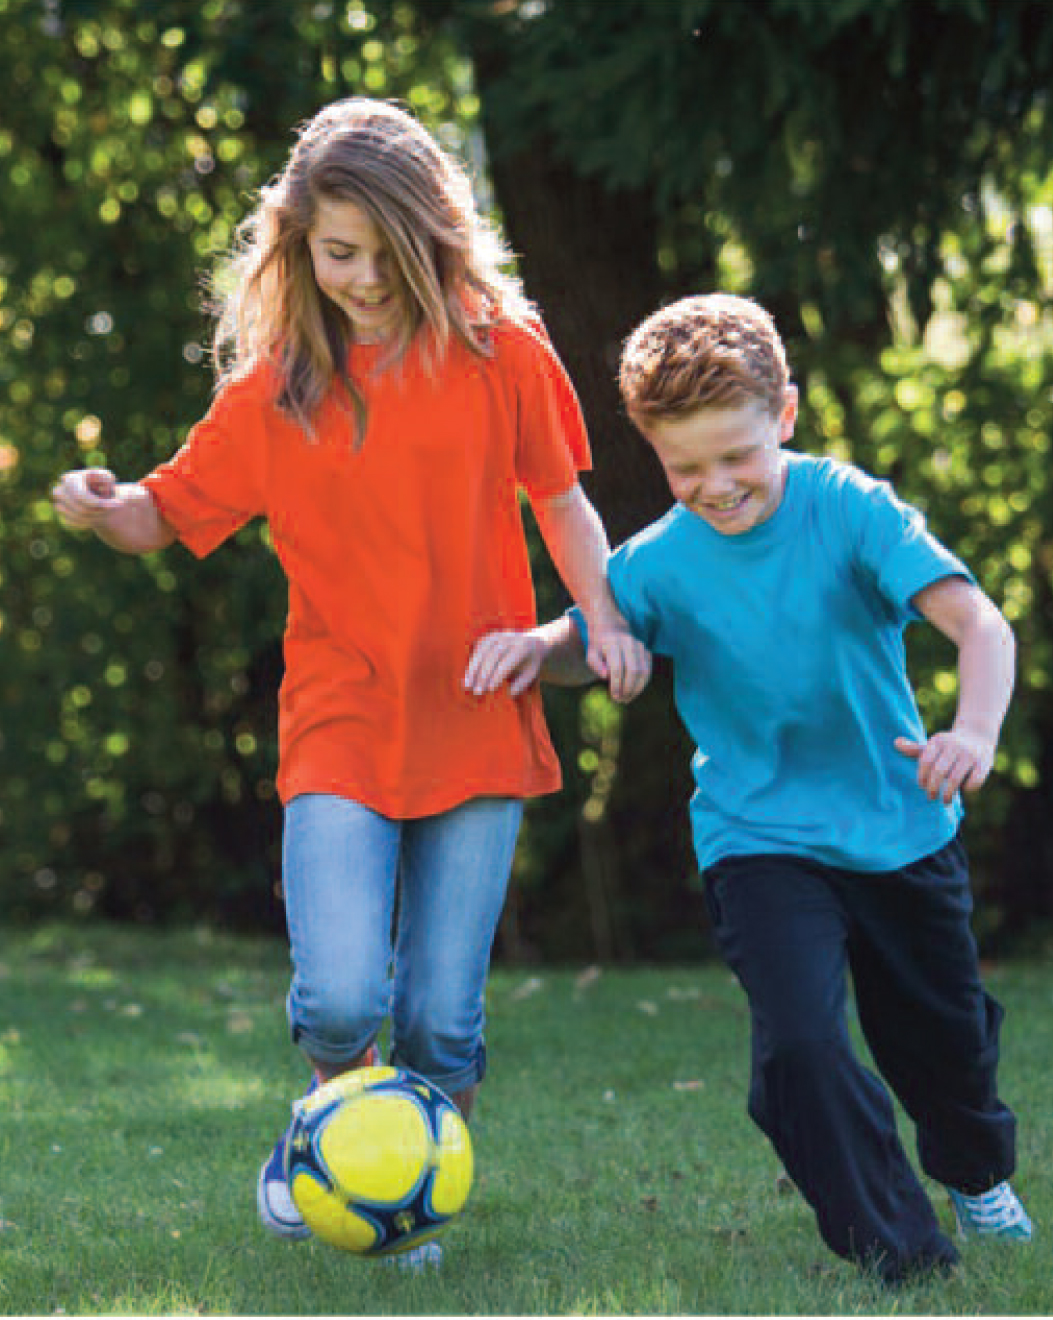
790, 670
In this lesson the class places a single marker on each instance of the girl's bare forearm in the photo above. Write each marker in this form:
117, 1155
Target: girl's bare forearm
135, 525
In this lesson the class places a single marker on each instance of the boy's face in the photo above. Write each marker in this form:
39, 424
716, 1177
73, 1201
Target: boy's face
726, 464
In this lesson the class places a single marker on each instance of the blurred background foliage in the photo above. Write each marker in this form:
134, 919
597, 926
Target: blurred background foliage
877, 172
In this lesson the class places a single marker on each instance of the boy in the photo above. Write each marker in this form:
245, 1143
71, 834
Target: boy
824, 818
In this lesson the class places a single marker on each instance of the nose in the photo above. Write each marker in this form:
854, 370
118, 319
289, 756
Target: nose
374, 269
715, 486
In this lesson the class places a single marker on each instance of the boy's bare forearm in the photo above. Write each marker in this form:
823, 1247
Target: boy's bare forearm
986, 672
564, 663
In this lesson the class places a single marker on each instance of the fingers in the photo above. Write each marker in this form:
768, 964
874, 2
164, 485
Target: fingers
79, 498
947, 764
502, 658
623, 661
941, 771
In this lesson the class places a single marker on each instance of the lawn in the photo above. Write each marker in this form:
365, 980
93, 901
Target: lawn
143, 1077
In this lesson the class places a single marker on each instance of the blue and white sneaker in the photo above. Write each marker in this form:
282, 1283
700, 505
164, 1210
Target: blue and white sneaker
995, 1213
278, 1211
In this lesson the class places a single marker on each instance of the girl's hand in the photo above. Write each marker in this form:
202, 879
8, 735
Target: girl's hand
82, 499
514, 658
616, 655
950, 761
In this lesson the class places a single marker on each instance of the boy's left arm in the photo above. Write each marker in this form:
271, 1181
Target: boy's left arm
962, 757
577, 542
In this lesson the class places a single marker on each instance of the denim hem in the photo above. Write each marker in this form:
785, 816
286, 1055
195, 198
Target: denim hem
325, 1052
452, 1083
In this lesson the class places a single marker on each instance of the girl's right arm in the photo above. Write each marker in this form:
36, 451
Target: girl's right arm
123, 515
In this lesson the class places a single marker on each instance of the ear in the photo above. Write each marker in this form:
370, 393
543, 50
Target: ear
788, 416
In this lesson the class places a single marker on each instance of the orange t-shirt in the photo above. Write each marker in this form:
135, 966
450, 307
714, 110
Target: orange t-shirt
399, 557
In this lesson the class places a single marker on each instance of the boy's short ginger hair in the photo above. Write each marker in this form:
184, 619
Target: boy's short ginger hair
710, 351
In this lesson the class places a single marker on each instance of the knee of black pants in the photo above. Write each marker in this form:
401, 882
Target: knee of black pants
794, 1071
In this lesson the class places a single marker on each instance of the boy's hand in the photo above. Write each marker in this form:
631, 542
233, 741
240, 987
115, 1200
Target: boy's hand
514, 658
950, 761
83, 498
616, 655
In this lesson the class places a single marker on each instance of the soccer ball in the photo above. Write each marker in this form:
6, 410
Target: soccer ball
378, 1160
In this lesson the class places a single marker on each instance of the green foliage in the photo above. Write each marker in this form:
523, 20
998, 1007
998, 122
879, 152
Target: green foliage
144, 1076
876, 171
139, 729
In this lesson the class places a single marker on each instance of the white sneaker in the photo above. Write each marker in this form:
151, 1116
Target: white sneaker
277, 1211
995, 1213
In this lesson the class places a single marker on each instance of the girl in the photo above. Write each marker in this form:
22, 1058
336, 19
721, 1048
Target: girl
384, 390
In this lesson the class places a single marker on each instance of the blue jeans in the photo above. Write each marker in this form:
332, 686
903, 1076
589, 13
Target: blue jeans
356, 956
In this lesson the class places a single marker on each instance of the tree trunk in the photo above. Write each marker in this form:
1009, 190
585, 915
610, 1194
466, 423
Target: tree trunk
587, 258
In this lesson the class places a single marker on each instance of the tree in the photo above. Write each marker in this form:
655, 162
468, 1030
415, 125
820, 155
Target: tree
876, 171
870, 171
138, 727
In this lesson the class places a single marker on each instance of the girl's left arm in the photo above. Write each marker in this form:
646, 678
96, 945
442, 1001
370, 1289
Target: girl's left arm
574, 537
963, 756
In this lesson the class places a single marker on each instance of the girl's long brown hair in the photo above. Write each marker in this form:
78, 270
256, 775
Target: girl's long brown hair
268, 305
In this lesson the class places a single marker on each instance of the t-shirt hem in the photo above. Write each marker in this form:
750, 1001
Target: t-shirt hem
912, 851
410, 806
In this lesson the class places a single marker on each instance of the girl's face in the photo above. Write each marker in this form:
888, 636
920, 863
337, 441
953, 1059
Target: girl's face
726, 464
356, 269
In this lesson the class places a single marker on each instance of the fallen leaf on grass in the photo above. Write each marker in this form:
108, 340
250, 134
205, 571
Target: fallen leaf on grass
649, 1202
695, 1085
529, 987
646, 1006
729, 1233
588, 977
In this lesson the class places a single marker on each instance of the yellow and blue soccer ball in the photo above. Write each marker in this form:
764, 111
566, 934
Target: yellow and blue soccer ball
378, 1160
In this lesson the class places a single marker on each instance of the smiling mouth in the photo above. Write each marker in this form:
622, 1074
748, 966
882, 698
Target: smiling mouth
729, 505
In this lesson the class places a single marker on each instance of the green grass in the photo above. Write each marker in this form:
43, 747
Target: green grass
143, 1078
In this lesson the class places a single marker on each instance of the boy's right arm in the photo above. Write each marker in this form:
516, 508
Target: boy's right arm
553, 652
123, 515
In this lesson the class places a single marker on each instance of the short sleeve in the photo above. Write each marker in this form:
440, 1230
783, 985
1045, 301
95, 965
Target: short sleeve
216, 481
552, 443
892, 545
632, 598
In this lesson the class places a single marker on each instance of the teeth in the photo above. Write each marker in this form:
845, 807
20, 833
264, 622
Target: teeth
724, 505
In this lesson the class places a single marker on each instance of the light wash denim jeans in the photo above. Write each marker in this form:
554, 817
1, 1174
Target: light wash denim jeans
343, 865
